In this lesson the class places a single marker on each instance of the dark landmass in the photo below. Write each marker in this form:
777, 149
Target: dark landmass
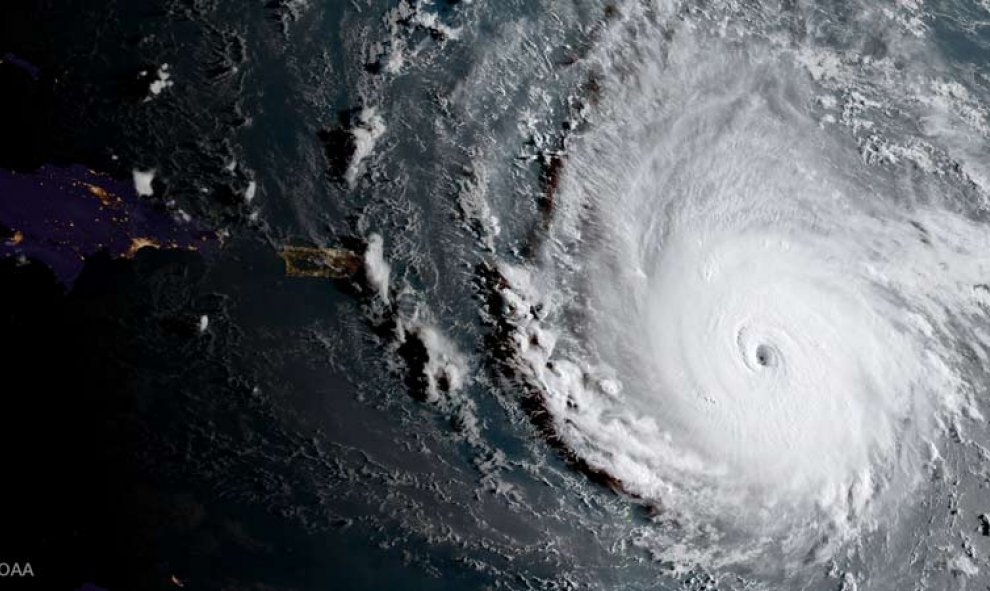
314, 261
31, 69
62, 216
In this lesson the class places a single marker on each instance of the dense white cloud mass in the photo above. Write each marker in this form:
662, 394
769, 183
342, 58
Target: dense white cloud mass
751, 324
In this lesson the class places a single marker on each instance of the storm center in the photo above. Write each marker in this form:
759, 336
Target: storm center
764, 355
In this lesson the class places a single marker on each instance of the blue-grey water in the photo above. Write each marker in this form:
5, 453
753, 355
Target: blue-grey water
636, 294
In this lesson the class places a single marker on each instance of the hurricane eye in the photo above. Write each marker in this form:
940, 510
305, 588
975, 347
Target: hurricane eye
765, 356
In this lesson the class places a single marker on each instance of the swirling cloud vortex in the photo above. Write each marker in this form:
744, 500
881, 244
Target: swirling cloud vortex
752, 328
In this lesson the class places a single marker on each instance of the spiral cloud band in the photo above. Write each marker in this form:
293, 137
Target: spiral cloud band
745, 322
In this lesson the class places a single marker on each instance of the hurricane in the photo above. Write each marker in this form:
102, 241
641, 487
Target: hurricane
751, 326
535, 295
752, 296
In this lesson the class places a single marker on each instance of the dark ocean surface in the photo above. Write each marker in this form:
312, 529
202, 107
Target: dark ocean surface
378, 321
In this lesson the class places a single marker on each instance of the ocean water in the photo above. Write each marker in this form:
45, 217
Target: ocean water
699, 286
637, 294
